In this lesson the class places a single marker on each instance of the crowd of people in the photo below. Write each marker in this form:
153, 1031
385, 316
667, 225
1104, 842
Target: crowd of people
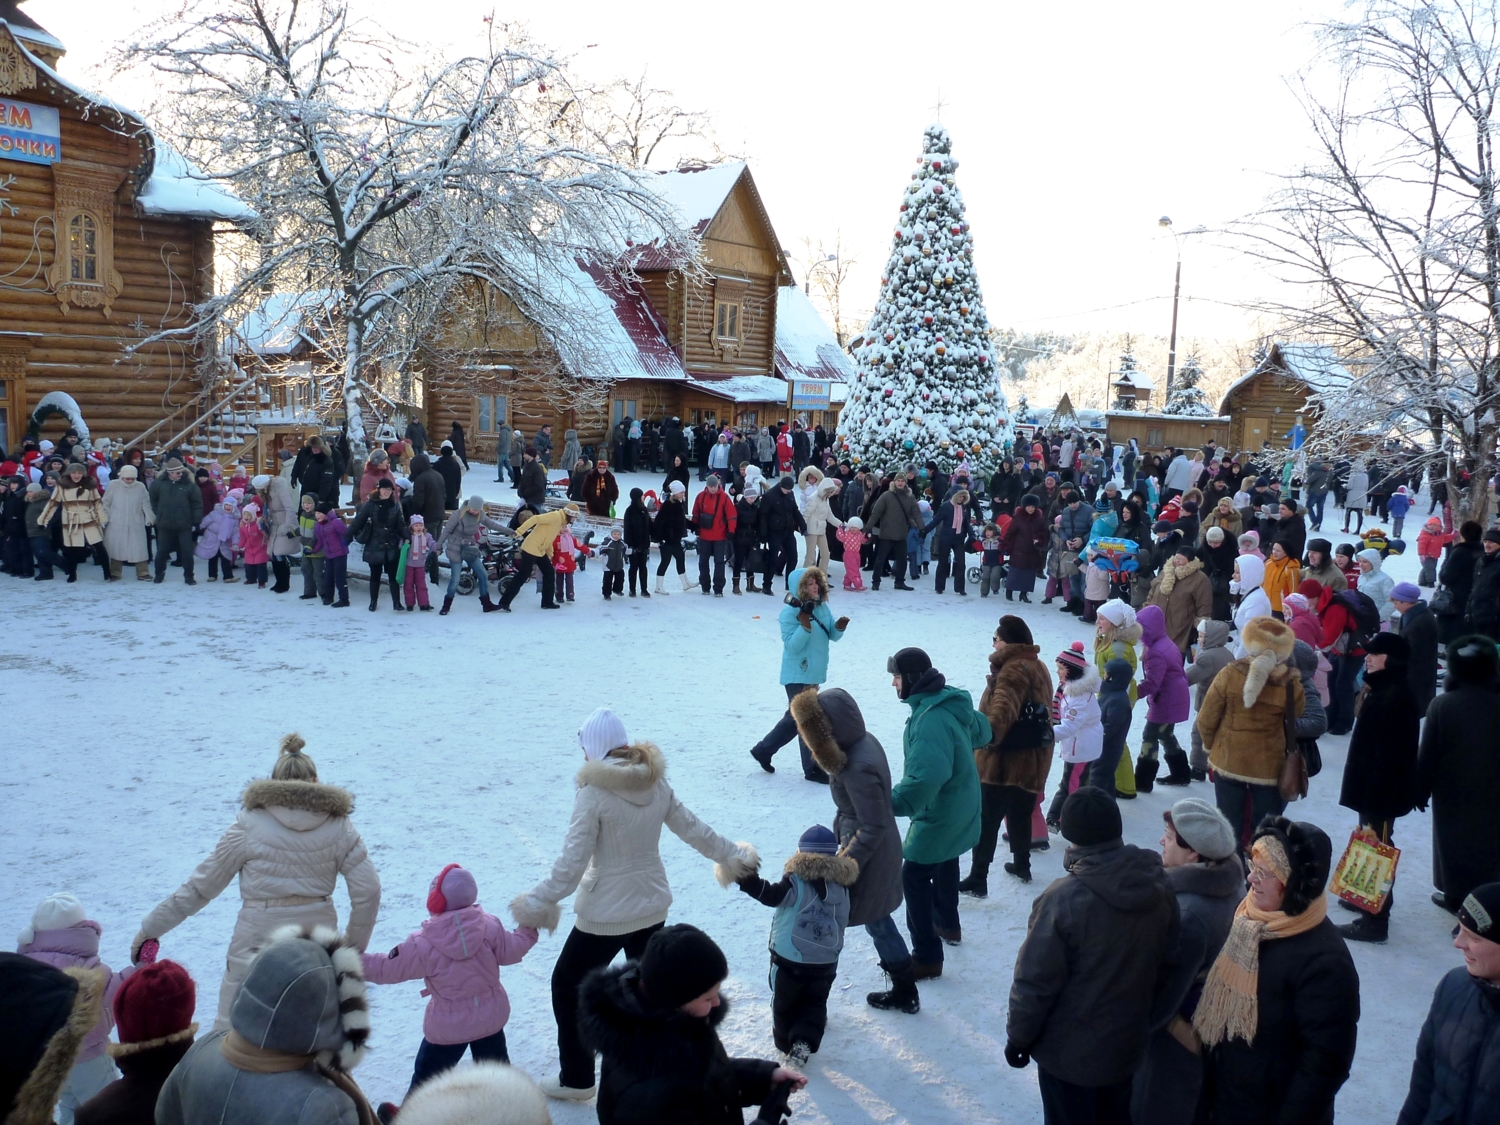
1204, 982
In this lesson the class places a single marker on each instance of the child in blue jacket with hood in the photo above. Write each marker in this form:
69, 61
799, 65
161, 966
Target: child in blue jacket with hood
807, 629
807, 935
1114, 716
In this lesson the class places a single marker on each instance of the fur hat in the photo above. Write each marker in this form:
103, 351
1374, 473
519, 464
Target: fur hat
59, 911
1203, 828
818, 840
1267, 642
486, 1093
1473, 660
1013, 630
453, 888
1393, 646
680, 964
154, 1007
1310, 853
1089, 817
1322, 546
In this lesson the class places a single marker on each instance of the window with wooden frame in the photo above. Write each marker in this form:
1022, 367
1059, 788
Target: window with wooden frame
1153, 437
83, 268
492, 414
727, 321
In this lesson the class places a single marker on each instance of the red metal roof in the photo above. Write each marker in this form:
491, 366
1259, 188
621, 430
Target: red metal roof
643, 328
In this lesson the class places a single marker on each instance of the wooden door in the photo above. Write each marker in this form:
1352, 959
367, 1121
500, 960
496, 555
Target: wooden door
1255, 429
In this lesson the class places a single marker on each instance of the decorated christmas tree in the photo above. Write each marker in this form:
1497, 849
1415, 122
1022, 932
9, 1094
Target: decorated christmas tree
928, 387
1186, 396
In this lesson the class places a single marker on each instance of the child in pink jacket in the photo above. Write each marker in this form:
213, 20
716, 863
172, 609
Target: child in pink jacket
253, 546
458, 952
852, 536
61, 935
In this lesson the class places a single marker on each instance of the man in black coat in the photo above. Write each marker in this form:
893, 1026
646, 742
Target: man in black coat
1484, 594
1458, 770
1380, 770
315, 474
1419, 627
859, 780
451, 469
1093, 960
674, 440
1456, 1076
532, 487
1457, 577
801, 448
780, 521
416, 433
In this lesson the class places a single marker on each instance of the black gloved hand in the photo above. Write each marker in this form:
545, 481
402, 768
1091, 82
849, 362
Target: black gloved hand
1018, 1057
774, 1110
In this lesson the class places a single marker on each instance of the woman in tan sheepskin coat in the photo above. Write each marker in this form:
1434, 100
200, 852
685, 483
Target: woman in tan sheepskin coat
291, 841
1242, 721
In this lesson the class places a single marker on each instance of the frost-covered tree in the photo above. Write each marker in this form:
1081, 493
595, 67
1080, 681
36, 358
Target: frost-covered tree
928, 387
1123, 380
1023, 410
1187, 397
386, 178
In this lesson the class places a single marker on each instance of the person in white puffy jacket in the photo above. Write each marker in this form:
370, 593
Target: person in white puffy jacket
1249, 573
1078, 731
611, 856
818, 515
289, 844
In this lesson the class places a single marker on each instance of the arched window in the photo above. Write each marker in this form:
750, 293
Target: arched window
83, 249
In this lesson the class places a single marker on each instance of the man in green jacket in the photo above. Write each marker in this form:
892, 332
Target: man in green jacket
939, 791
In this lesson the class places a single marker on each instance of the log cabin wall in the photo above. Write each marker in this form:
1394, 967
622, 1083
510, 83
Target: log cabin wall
743, 265
1265, 408
162, 266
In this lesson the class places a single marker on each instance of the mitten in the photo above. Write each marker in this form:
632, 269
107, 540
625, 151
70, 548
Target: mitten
137, 944
841, 624
805, 619
148, 951
1018, 1057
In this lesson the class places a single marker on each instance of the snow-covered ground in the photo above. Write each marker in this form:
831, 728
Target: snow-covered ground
139, 712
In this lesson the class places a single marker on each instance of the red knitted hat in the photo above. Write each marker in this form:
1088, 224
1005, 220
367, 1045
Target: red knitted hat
155, 1005
1311, 589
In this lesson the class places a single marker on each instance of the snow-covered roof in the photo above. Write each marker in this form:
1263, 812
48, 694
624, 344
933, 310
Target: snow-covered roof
742, 388
1087, 418
279, 326
177, 187
805, 346
613, 332
1158, 416
1316, 365
27, 28
697, 195
173, 186
1134, 379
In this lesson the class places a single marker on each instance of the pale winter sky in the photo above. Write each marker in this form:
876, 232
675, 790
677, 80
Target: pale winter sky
1076, 125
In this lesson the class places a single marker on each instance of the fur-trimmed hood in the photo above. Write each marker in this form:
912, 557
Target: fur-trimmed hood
794, 581
309, 796
838, 869
828, 721
38, 1094
632, 771
1267, 644
481, 1094
616, 1020
1087, 684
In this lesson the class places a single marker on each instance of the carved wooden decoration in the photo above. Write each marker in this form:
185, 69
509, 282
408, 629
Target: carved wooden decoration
16, 71
83, 271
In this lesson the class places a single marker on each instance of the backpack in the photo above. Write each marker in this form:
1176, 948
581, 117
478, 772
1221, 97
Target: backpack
1364, 618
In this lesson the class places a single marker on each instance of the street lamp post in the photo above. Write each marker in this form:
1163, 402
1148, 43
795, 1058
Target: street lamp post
812, 265
1166, 222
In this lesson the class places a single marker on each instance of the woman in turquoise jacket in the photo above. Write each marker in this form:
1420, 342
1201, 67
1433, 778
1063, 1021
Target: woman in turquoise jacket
807, 628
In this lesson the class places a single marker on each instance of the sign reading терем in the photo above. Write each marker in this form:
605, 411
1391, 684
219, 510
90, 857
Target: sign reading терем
32, 133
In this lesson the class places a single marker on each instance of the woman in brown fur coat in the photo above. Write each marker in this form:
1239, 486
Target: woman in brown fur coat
1013, 767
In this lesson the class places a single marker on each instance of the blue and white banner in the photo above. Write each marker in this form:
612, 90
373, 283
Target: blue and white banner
32, 133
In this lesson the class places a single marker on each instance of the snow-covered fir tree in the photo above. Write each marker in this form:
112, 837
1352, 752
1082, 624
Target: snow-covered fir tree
1124, 382
1023, 410
928, 386
1187, 397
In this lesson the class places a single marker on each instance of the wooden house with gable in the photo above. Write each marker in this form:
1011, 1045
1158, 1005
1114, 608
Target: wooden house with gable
1282, 390
106, 236
699, 345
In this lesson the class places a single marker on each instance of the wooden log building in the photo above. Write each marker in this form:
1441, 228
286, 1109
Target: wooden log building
1279, 392
724, 344
106, 236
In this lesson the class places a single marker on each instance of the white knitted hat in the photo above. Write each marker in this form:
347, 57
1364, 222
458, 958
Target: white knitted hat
601, 732
56, 912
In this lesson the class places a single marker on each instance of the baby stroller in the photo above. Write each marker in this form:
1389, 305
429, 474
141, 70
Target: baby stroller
497, 554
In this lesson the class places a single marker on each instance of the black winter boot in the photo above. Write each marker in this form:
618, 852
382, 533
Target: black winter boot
447, 605
1145, 774
902, 995
396, 595
1371, 928
976, 883
1178, 772
1021, 871
484, 600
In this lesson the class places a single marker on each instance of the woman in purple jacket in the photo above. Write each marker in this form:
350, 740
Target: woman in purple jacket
1164, 686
